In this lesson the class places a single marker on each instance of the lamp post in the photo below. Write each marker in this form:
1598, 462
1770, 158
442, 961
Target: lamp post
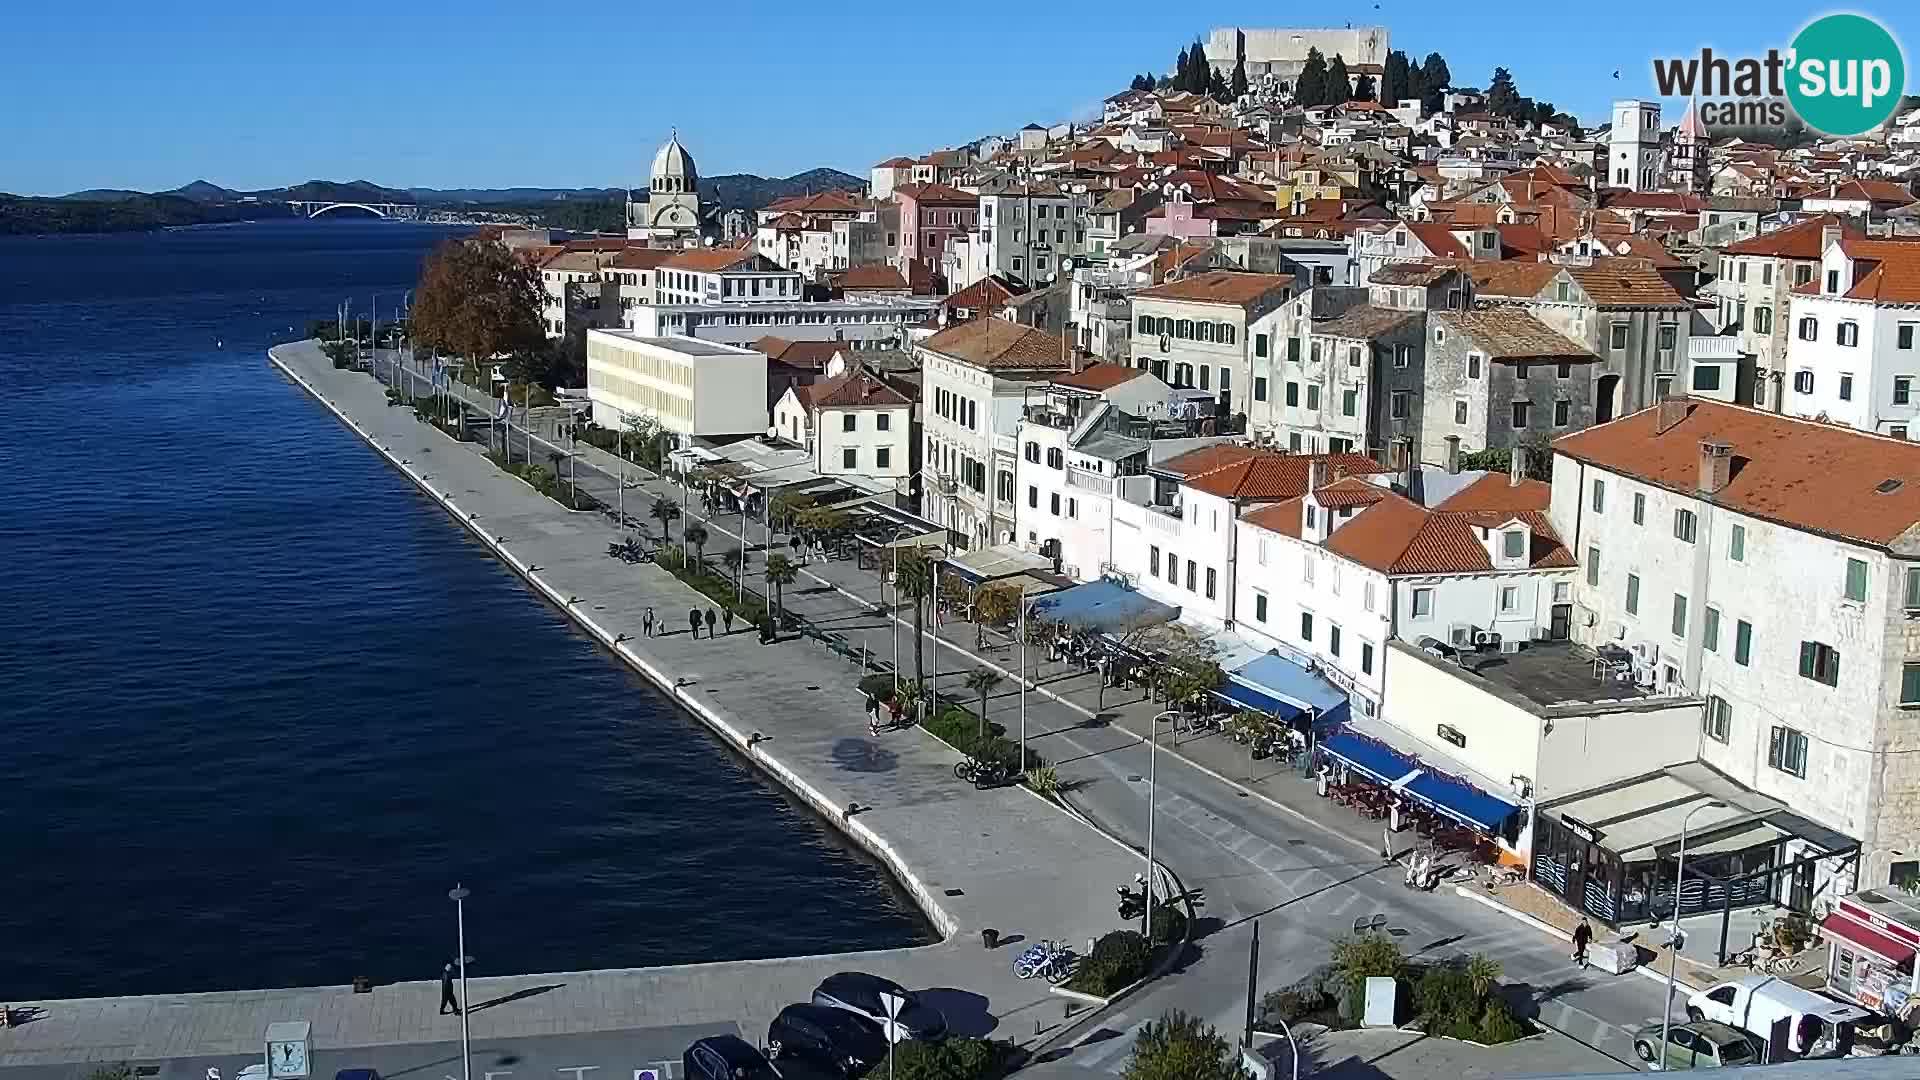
1153, 762
458, 894
1022, 631
1673, 934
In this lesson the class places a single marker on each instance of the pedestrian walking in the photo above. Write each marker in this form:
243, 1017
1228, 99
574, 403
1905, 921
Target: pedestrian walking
793, 545
895, 710
873, 706
726, 620
711, 619
1581, 935
693, 620
448, 1003
646, 623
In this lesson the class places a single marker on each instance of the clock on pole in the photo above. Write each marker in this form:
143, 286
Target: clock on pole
288, 1045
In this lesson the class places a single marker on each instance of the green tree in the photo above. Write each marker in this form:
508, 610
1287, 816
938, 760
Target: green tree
1363, 88
983, 681
1310, 90
824, 520
1238, 87
696, 535
666, 512
788, 506
1393, 79
1435, 80
477, 300
1182, 1047
1339, 83
1502, 99
1200, 72
780, 573
1367, 956
1483, 972
1182, 70
1218, 89
913, 577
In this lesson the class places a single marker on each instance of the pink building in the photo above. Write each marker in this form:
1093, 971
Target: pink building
930, 215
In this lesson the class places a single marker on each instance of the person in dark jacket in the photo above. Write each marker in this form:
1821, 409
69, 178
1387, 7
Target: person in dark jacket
711, 620
693, 620
1581, 935
726, 620
448, 1003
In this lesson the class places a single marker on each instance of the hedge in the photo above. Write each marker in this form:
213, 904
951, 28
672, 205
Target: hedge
1119, 959
953, 1058
959, 728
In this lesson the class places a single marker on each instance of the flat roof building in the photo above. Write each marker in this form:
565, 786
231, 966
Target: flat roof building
691, 388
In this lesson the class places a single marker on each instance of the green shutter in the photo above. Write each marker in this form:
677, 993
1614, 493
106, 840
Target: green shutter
1806, 659
1742, 642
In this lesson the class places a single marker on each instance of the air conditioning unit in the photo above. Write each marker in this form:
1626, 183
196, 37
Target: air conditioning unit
1511, 645
1485, 637
1460, 634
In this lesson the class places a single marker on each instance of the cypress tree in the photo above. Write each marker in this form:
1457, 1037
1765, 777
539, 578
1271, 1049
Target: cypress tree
1339, 86
1310, 89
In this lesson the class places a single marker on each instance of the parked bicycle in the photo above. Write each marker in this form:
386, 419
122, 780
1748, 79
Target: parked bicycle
981, 773
1051, 960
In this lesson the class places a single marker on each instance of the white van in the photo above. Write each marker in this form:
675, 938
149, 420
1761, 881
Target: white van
1793, 1022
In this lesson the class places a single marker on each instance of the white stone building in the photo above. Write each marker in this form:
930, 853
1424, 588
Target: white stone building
1756, 280
1205, 331
691, 388
1771, 566
1026, 229
724, 276
873, 318
854, 424
1854, 354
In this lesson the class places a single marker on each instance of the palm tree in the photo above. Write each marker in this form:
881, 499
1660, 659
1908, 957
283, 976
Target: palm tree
696, 534
914, 577
983, 681
666, 512
780, 573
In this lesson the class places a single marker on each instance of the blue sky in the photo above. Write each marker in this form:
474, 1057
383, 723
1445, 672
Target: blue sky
444, 94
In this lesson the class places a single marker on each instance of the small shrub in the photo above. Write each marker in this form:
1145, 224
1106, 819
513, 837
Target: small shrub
1498, 1024
1169, 923
1044, 781
1289, 1005
953, 1058
1445, 996
1182, 1047
1353, 1004
1368, 956
1118, 959
1792, 933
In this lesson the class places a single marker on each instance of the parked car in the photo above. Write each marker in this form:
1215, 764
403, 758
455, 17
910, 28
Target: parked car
1697, 1044
725, 1057
1790, 1021
860, 994
834, 1039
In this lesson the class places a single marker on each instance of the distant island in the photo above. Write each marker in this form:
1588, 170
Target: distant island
203, 203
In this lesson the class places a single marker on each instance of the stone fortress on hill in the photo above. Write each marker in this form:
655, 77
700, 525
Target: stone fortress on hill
1282, 53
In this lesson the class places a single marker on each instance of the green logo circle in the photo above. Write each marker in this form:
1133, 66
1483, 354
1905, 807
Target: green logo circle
1846, 75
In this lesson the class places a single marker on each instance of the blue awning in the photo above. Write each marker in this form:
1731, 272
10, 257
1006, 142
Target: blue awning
1377, 761
1103, 606
1281, 678
1462, 801
1250, 697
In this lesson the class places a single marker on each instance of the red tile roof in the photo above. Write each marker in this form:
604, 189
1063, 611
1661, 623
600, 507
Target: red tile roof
1497, 491
1219, 287
998, 345
1797, 241
876, 276
1397, 536
1509, 333
858, 388
1805, 474
1099, 377
708, 260
1266, 476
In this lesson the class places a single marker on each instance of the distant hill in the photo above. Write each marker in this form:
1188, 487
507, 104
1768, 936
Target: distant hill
753, 192
133, 213
204, 192
489, 196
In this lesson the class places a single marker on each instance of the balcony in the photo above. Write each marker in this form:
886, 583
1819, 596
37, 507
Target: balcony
1048, 416
1087, 481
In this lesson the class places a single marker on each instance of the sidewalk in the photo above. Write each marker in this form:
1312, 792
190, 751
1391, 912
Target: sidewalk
1003, 858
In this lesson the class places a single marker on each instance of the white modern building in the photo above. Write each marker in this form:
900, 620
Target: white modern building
870, 318
691, 388
1854, 355
1772, 567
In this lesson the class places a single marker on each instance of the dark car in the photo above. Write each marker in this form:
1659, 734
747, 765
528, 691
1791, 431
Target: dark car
834, 1039
725, 1057
859, 993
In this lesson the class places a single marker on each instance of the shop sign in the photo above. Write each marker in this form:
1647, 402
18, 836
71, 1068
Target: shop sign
1580, 829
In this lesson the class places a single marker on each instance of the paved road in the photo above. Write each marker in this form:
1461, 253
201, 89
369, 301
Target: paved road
1268, 850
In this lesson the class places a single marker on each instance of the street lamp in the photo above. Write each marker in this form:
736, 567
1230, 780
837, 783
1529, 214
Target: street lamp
1673, 934
1153, 761
458, 894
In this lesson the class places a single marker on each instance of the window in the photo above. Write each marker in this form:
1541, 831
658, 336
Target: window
1422, 603
1684, 525
1310, 525
1763, 320
1473, 365
1820, 662
1717, 720
1333, 638
1192, 574
1599, 496
1856, 583
1259, 388
1743, 642
1173, 568
1833, 281
883, 421
1056, 458
1212, 581
1787, 751
1639, 508
1349, 401
849, 422
1809, 328
1260, 345
1803, 382
1913, 588
1593, 566
1618, 337
1903, 337
1003, 487
1846, 387
1679, 616
1033, 497
1353, 356
1740, 270
1562, 412
1910, 684
1513, 543
1293, 394
1706, 377
1259, 607
1306, 626
1902, 389
1633, 594
1402, 355
1802, 274
850, 458
883, 457
1848, 333
1313, 397
1400, 404
1459, 412
1053, 503
1366, 658
1520, 411
1737, 543
1509, 597
1153, 560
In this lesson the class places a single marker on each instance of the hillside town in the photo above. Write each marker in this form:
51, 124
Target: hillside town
1574, 470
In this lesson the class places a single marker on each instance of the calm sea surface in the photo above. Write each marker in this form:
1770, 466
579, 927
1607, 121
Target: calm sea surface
261, 705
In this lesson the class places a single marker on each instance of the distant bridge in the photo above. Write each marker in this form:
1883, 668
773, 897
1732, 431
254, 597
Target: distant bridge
396, 211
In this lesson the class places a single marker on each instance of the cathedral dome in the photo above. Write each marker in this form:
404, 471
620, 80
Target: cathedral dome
673, 168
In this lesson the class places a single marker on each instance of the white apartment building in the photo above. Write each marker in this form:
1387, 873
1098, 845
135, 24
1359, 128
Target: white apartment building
1854, 357
1772, 566
631, 272
1203, 332
854, 424
724, 276
574, 294
974, 379
870, 318
691, 388
1027, 229
1757, 277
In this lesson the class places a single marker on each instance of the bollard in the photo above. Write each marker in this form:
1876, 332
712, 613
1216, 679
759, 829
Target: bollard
990, 938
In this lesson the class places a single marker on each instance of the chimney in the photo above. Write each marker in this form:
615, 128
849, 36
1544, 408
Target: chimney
1453, 455
1672, 410
1716, 467
1516, 466
1316, 474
